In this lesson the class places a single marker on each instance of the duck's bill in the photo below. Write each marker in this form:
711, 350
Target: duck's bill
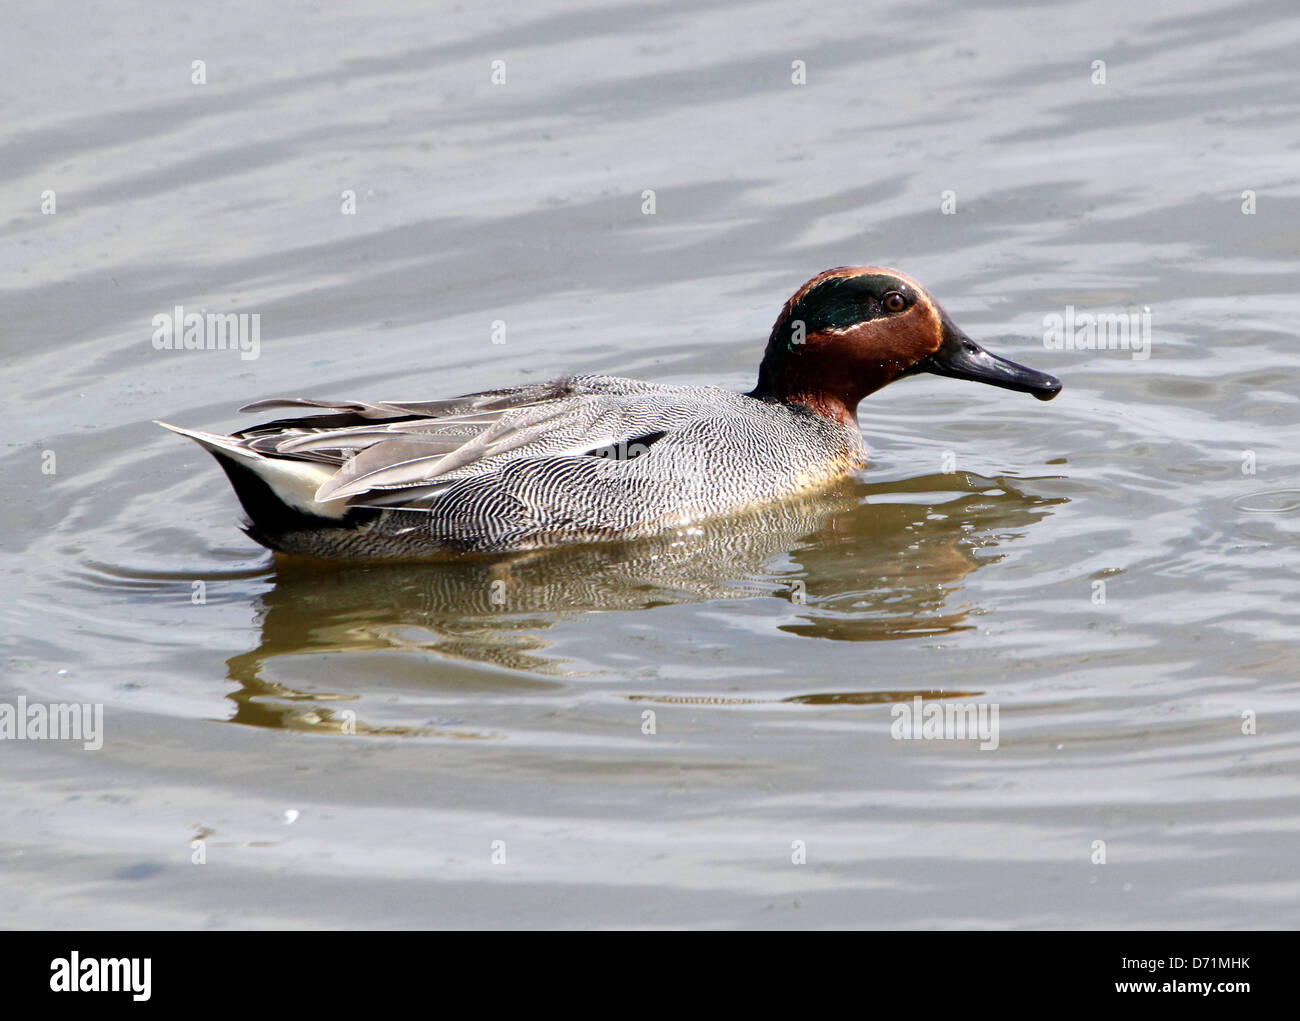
961, 358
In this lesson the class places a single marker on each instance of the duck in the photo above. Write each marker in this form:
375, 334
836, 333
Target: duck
597, 458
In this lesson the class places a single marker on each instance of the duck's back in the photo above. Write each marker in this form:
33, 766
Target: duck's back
577, 460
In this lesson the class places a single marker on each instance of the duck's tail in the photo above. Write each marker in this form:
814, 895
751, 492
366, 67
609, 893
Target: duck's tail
278, 494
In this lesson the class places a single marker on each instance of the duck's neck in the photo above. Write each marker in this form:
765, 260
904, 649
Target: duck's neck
790, 383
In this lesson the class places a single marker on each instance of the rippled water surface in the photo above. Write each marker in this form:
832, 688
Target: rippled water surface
1115, 571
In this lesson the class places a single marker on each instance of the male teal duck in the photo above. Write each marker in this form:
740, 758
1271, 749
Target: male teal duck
591, 458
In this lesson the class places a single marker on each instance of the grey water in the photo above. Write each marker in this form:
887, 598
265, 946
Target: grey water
696, 730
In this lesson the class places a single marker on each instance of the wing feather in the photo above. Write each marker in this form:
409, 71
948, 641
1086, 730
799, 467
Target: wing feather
398, 453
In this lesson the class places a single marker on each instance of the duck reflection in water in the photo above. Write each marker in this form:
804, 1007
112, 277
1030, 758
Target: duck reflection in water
865, 562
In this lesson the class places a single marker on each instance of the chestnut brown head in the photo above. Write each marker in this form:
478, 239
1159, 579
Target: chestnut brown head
849, 331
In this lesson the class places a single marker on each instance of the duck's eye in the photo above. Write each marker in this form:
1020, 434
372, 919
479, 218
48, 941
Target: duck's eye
894, 301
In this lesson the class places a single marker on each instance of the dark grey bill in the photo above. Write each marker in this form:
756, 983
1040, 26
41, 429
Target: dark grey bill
961, 358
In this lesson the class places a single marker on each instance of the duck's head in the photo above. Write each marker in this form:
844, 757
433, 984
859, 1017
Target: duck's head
849, 331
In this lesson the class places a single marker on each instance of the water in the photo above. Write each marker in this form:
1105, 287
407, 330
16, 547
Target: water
1114, 571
